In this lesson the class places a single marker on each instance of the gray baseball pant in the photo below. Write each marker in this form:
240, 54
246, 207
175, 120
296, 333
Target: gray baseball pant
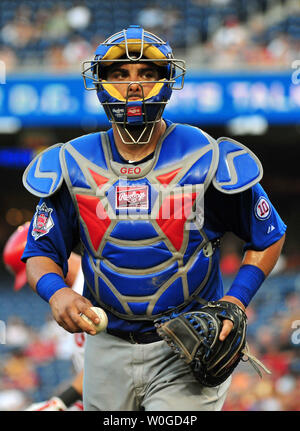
120, 376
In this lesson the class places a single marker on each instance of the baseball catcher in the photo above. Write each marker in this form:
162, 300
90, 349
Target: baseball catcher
195, 338
149, 201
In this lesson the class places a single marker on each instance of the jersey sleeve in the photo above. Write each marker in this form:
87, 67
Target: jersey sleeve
265, 225
254, 219
250, 215
53, 231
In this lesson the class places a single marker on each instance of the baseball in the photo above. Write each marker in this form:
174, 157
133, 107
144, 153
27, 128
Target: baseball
102, 316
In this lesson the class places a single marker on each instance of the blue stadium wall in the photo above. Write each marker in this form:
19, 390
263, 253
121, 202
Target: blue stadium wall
206, 99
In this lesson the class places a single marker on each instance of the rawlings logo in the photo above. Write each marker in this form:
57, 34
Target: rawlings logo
133, 197
42, 222
134, 111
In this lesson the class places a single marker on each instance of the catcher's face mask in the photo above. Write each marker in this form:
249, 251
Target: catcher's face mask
134, 45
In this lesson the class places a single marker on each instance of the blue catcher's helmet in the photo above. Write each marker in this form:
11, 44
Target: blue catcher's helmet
132, 45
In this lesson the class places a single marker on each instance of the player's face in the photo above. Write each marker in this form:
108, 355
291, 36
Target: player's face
121, 74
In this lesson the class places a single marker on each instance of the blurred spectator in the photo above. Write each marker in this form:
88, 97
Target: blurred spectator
158, 21
40, 350
41, 19
280, 266
18, 33
227, 44
18, 334
151, 18
57, 26
19, 372
220, 2
211, 2
265, 397
231, 255
58, 337
55, 59
78, 17
230, 263
76, 51
279, 48
9, 58
13, 400
231, 33
36, 139
219, 34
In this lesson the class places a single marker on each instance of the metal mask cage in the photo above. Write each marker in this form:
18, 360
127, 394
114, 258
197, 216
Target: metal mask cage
92, 80
125, 124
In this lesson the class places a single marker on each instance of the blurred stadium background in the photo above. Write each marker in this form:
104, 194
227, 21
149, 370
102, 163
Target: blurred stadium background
243, 81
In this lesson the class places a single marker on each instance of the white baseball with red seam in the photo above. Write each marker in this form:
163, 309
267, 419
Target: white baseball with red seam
102, 316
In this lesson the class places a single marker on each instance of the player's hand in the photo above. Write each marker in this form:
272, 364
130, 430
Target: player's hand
227, 324
67, 305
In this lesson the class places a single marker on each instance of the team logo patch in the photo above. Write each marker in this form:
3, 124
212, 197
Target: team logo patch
42, 222
262, 209
133, 197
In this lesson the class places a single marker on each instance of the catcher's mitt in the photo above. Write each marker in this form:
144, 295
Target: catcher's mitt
194, 336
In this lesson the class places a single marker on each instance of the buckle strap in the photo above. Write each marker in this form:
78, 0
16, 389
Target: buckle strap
211, 246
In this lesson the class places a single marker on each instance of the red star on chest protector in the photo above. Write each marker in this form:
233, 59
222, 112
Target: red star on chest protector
92, 212
174, 210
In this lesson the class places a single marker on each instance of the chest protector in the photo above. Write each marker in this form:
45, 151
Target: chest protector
146, 252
